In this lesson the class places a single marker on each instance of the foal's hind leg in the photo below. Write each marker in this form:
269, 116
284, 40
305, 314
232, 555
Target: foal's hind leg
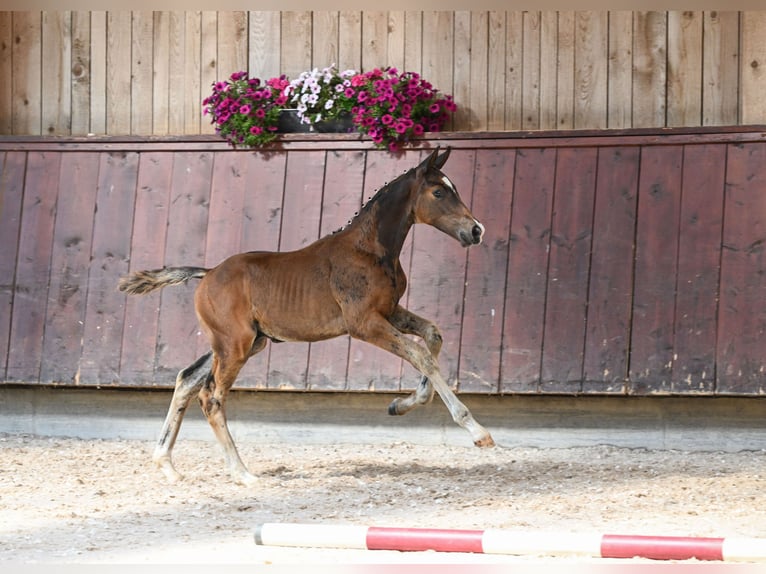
412, 324
212, 398
189, 381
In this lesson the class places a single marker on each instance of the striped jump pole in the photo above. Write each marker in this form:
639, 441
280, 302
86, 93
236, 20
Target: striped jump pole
495, 541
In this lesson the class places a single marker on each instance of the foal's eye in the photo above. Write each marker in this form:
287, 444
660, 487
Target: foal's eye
438, 192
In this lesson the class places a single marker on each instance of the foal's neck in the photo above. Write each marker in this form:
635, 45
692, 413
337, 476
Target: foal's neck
386, 219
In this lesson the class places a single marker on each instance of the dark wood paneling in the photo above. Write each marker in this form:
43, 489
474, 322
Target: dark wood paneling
699, 265
527, 270
179, 340
68, 291
150, 227
13, 166
105, 311
742, 320
481, 341
33, 266
568, 270
610, 290
659, 205
613, 262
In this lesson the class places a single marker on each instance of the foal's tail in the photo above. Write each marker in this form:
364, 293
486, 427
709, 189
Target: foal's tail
142, 282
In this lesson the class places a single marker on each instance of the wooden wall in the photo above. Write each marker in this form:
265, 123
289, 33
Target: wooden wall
146, 73
628, 262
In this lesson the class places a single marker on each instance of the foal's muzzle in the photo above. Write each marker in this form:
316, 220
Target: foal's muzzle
474, 236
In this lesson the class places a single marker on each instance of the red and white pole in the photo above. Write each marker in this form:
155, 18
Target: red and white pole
495, 541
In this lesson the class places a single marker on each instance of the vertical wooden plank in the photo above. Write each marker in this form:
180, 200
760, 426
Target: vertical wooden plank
413, 41
548, 70
438, 67
227, 201
478, 80
699, 257
179, 339
265, 39
685, 49
753, 68
496, 72
324, 32
98, 72
568, 270
12, 170
161, 70
232, 42
720, 71
141, 84
649, 69
26, 56
463, 61
659, 204
81, 73
527, 270
566, 71
150, 227
70, 261
395, 48
742, 316
531, 73
176, 95
370, 368
514, 77
349, 46
437, 277
262, 219
374, 39
620, 70
304, 177
193, 87
33, 266
105, 307
118, 72
6, 71
344, 183
592, 77
610, 294
209, 72
295, 43
481, 340
56, 73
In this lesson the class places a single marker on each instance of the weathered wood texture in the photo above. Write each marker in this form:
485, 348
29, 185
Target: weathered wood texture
146, 73
614, 262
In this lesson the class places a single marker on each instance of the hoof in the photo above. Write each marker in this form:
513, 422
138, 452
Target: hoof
393, 409
485, 442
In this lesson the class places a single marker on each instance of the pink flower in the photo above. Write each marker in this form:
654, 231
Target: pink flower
244, 110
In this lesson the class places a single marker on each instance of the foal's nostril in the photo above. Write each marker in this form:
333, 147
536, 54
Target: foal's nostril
477, 232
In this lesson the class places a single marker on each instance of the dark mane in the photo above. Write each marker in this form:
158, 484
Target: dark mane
381, 192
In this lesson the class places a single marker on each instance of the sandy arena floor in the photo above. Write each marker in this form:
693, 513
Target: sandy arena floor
66, 500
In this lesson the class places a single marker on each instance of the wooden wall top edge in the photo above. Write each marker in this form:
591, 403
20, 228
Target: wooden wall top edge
460, 140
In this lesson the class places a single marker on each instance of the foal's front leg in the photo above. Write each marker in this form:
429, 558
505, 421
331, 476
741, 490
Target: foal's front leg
375, 329
411, 324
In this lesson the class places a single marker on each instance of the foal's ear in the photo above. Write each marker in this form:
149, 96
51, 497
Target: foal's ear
434, 160
439, 161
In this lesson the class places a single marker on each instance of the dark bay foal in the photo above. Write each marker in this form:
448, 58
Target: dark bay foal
349, 282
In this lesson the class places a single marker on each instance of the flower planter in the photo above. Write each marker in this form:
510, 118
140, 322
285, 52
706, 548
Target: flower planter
340, 125
290, 122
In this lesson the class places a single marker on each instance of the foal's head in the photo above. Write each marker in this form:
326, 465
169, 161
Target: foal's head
437, 202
